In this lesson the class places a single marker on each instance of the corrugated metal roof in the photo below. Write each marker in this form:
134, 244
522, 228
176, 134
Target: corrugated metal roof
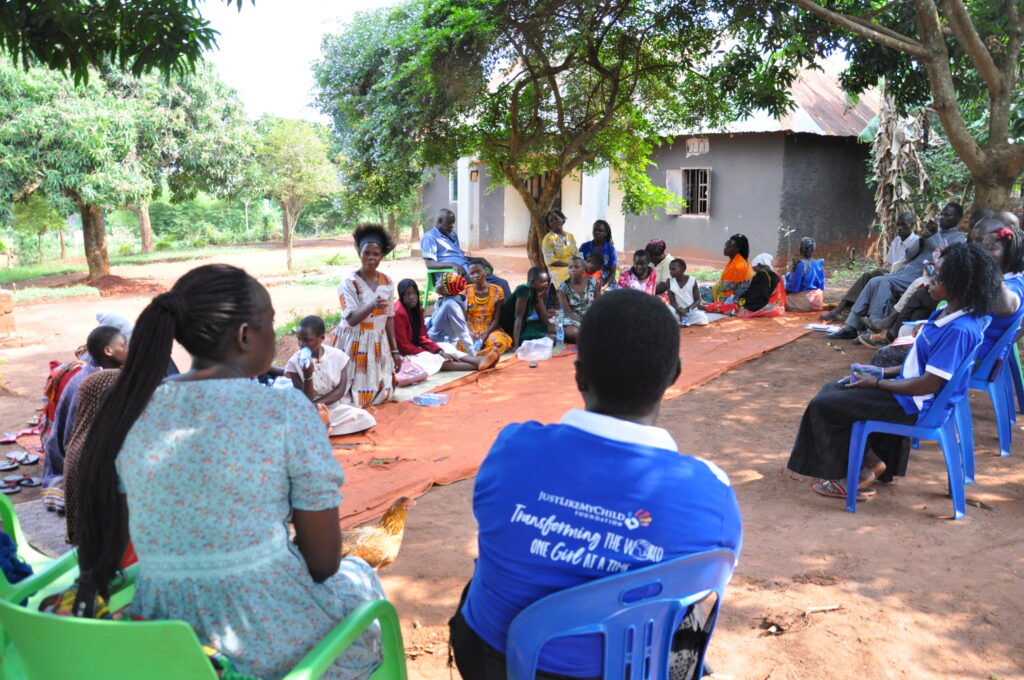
822, 108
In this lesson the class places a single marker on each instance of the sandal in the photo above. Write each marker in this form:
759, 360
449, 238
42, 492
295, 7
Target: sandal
23, 457
9, 489
23, 480
834, 488
9, 465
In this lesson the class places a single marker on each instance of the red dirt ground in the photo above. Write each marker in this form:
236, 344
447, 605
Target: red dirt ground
919, 597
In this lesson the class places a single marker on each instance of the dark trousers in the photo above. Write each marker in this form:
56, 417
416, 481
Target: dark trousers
858, 285
477, 660
822, 446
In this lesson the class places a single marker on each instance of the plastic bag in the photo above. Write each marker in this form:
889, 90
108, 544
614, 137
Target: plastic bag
410, 374
536, 350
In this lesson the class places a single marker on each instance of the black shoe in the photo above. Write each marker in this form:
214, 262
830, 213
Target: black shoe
844, 333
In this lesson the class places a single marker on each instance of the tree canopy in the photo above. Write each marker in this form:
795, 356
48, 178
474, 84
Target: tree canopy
74, 36
542, 88
962, 60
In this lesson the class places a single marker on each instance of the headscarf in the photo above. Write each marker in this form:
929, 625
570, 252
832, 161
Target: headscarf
453, 284
1003, 234
763, 258
656, 247
415, 314
119, 322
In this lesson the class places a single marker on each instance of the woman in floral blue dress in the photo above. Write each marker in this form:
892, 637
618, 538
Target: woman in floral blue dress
207, 470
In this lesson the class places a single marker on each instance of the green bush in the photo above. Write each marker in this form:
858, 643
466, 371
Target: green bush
125, 249
199, 243
163, 244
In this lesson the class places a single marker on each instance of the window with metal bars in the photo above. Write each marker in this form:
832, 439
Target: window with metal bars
693, 187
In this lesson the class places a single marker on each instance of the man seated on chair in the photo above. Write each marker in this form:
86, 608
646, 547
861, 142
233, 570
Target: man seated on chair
440, 246
600, 493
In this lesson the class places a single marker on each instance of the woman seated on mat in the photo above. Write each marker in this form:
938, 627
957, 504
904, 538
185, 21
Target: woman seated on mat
449, 329
641, 276
738, 273
602, 244
208, 469
575, 296
684, 296
765, 295
805, 283
523, 315
414, 342
490, 275
483, 311
326, 380
969, 281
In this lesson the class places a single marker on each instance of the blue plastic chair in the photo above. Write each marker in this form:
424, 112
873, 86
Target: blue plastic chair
936, 425
992, 376
638, 612
1016, 378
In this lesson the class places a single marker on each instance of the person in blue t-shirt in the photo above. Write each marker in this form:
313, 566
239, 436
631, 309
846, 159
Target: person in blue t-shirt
969, 281
440, 246
805, 282
600, 493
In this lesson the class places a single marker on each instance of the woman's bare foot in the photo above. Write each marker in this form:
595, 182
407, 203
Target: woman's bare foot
489, 361
325, 415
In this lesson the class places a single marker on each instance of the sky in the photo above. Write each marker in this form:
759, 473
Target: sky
266, 50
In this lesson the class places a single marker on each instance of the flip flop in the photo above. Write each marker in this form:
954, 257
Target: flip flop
23, 480
9, 438
8, 466
833, 488
10, 489
23, 457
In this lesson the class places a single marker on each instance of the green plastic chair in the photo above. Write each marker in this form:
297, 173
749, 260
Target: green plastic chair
164, 650
430, 286
45, 569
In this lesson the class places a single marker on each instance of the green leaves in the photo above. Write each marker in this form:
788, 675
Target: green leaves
74, 36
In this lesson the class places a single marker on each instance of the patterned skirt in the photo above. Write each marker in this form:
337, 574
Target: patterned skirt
373, 374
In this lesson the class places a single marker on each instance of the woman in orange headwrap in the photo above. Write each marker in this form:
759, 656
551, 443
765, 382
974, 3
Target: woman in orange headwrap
448, 327
738, 273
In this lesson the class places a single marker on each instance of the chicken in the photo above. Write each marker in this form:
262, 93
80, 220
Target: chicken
378, 543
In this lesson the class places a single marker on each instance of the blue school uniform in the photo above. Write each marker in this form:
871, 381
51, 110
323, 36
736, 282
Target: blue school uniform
806, 276
611, 258
998, 324
560, 505
939, 349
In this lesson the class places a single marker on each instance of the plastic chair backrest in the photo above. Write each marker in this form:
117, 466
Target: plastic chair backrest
9, 518
936, 414
637, 611
51, 646
987, 366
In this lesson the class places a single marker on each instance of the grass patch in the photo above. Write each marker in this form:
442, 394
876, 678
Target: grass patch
29, 294
331, 320
177, 255
35, 271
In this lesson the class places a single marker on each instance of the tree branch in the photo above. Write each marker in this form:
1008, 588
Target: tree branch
874, 33
967, 35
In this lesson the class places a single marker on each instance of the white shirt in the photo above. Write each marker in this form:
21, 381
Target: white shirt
903, 250
328, 369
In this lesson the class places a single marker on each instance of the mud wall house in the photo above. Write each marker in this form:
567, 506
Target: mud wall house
774, 179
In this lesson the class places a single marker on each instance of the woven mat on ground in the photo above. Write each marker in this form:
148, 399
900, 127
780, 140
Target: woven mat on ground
414, 447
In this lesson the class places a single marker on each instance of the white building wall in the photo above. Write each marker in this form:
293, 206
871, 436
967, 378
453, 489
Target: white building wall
517, 218
467, 215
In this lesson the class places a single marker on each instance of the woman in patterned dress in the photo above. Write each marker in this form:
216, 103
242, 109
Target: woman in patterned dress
575, 296
557, 247
366, 332
484, 312
206, 471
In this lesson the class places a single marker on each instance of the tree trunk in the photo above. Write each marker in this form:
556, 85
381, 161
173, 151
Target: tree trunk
141, 211
993, 192
39, 244
63, 245
414, 237
290, 217
392, 228
95, 234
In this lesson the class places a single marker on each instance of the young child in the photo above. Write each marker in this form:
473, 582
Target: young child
325, 381
594, 266
684, 296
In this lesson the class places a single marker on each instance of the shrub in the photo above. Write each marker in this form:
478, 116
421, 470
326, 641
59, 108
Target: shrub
163, 244
199, 243
125, 249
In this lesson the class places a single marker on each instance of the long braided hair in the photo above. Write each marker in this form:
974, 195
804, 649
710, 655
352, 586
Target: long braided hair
201, 311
